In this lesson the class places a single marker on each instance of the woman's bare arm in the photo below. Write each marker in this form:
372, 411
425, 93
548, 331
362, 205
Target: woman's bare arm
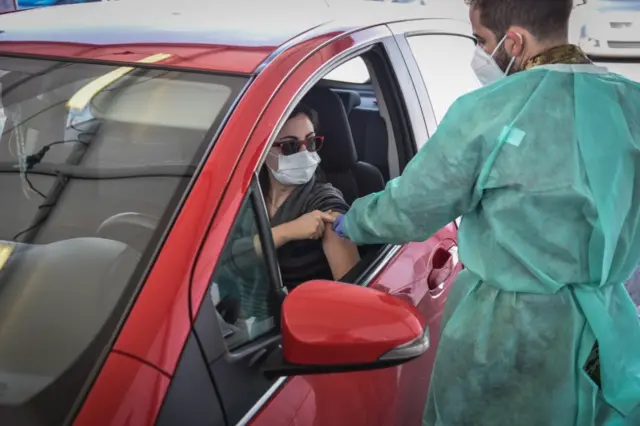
341, 253
280, 235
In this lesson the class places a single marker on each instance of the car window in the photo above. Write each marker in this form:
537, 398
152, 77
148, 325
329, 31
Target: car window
240, 287
445, 65
94, 160
352, 71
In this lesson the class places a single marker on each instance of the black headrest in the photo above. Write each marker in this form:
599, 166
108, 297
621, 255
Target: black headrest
338, 153
349, 98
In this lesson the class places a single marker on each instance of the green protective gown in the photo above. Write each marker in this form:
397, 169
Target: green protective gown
544, 168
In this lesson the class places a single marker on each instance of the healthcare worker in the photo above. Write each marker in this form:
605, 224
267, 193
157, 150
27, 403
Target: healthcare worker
543, 165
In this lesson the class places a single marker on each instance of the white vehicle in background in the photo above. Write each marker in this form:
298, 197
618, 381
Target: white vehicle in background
608, 28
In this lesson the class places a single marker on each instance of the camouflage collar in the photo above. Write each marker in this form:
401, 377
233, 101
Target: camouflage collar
564, 54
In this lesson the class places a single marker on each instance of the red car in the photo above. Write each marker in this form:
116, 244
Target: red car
131, 141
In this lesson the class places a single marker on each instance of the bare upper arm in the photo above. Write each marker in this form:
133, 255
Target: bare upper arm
341, 253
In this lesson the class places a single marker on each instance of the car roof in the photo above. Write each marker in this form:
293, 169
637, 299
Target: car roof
228, 36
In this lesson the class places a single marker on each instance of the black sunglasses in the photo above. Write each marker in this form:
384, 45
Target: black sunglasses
293, 146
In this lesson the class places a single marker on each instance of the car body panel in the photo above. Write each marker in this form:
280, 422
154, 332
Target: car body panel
236, 59
314, 399
345, 399
127, 393
407, 277
111, 31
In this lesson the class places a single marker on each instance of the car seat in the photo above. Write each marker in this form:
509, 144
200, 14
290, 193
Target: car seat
350, 99
368, 129
372, 142
339, 158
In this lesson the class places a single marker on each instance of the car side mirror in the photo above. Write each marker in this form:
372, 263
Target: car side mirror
330, 327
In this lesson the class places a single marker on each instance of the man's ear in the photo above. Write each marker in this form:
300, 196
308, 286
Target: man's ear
514, 44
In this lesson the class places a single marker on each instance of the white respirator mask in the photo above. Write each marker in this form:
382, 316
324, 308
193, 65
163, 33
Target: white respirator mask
294, 169
485, 66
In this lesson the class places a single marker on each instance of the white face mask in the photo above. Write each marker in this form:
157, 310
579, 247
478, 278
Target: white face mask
294, 169
485, 66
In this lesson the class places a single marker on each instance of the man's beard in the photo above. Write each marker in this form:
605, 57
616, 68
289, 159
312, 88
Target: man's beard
503, 60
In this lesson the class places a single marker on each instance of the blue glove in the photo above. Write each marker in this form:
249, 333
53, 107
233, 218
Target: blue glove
338, 226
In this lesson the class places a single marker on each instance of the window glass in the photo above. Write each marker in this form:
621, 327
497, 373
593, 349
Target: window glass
352, 71
240, 286
94, 160
445, 65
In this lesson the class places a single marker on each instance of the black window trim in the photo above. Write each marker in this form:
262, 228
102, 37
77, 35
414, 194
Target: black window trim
262, 344
267, 244
381, 59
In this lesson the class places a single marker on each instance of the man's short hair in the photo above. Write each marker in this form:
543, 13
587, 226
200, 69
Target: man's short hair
544, 19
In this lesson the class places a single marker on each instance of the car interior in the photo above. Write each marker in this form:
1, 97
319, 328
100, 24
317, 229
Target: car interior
362, 149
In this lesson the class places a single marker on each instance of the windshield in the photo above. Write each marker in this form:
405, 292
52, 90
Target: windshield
94, 161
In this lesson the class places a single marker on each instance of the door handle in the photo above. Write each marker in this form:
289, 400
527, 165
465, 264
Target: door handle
442, 263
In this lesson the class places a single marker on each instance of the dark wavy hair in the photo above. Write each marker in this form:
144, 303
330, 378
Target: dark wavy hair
546, 20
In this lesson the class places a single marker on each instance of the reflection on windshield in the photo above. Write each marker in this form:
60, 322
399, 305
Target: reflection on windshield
93, 162
80, 100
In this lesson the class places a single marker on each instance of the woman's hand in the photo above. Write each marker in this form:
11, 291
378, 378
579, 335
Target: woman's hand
310, 226
307, 227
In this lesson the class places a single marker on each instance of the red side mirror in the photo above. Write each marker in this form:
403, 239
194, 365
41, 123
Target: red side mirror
332, 327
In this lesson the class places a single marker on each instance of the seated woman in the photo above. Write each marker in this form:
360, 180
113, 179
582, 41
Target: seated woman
299, 201
299, 204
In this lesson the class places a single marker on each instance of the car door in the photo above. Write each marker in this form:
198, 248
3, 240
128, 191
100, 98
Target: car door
234, 355
419, 272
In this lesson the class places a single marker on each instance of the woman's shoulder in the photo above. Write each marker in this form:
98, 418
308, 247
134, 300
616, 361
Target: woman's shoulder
324, 196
